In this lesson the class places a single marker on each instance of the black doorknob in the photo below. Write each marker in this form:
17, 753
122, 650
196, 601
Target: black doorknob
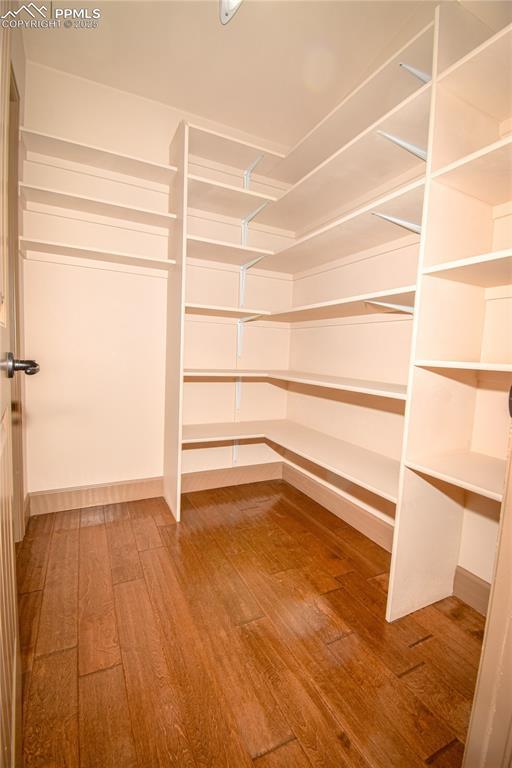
30, 367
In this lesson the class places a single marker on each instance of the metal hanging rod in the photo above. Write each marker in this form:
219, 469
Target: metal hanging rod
423, 76
411, 226
412, 148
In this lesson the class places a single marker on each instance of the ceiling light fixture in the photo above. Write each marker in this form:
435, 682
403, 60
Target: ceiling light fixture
227, 9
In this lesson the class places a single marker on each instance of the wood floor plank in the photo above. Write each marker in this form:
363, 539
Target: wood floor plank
39, 525
123, 552
425, 733
31, 563
469, 620
158, 731
447, 631
144, 527
446, 659
51, 724
29, 608
91, 516
68, 520
113, 513
443, 700
58, 624
451, 757
210, 724
289, 755
97, 630
106, 738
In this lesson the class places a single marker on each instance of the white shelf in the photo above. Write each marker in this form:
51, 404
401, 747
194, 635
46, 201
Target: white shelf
374, 388
223, 199
486, 270
484, 76
370, 470
218, 311
95, 206
217, 250
355, 232
220, 148
85, 154
367, 166
374, 97
351, 305
465, 365
61, 249
485, 174
474, 472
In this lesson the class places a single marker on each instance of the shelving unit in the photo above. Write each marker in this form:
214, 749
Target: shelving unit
351, 328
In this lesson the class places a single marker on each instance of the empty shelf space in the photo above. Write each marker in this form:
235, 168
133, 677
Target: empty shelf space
465, 365
223, 199
219, 311
355, 232
399, 298
485, 174
486, 270
220, 251
226, 150
370, 470
374, 97
28, 245
94, 206
367, 166
375, 388
484, 77
474, 472
84, 154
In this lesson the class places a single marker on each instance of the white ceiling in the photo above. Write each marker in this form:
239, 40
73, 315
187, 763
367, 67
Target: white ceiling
273, 71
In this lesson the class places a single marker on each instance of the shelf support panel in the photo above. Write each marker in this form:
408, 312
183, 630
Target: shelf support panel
412, 148
410, 225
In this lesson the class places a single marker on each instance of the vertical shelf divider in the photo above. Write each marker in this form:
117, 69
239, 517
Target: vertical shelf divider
173, 421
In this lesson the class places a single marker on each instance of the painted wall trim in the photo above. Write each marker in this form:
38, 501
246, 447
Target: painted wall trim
42, 502
471, 589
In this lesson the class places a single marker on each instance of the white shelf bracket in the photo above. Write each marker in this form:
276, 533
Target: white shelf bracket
241, 285
402, 308
245, 222
234, 452
248, 171
412, 148
239, 338
410, 225
422, 76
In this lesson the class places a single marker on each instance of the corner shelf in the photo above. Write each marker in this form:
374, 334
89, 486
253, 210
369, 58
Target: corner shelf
368, 469
209, 249
236, 153
215, 310
61, 249
398, 298
465, 365
334, 186
366, 387
95, 206
472, 471
355, 232
486, 270
86, 154
223, 199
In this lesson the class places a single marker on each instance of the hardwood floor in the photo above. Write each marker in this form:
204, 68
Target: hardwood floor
252, 634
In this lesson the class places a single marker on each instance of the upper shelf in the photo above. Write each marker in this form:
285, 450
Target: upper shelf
374, 97
485, 174
472, 471
216, 310
367, 167
366, 387
218, 250
28, 245
223, 199
484, 77
352, 233
95, 206
74, 152
397, 300
486, 270
370, 470
219, 148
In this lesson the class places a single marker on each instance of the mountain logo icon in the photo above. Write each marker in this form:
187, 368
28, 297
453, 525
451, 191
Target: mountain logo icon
31, 9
